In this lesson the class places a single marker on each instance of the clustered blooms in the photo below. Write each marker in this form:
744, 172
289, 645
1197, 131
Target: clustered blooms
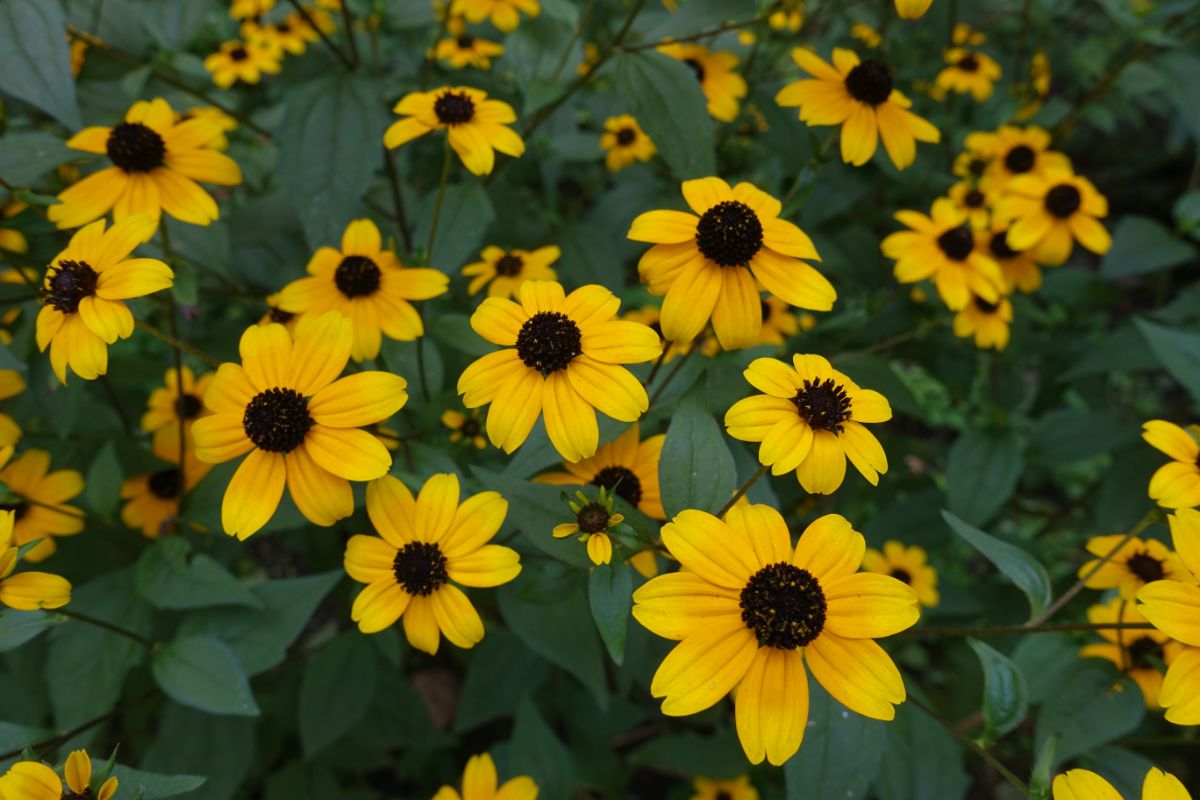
266, 36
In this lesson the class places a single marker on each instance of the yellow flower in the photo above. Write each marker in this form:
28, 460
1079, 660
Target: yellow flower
722, 87
1018, 269
645, 562
504, 14
33, 780
1175, 484
912, 9
465, 427
693, 252
739, 789
290, 34
562, 360
241, 9
1134, 652
810, 419
38, 501
789, 17
964, 34
988, 322
778, 322
591, 54
1011, 151
275, 314
285, 406
625, 466
152, 500
907, 565
11, 385
865, 34
479, 783
974, 199
1080, 784
422, 545
749, 612
26, 591
862, 98
1048, 213
245, 61
592, 521
624, 143
970, 164
476, 125
224, 123
465, 50
10, 238
942, 247
367, 285
176, 398
1038, 88
503, 271
85, 287
1137, 563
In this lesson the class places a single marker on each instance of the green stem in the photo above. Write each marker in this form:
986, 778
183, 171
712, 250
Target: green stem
108, 626
337, 51
691, 37
1017, 630
745, 487
397, 201
173, 318
175, 342
658, 364
974, 746
437, 204
675, 371
566, 53
348, 22
115, 402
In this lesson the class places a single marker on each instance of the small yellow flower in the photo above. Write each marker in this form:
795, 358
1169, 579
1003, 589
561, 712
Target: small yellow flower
291, 34
504, 14
907, 565
1018, 268
988, 322
624, 143
1137, 563
626, 466
1136, 653
245, 61
152, 500
722, 87
503, 271
479, 783
1011, 151
866, 34
975, 200
33, 780
1048, 213
465, 427
464, 50
1175, 484
739, 789
38, 498
1080, 784
592, 522
789, 17
477, 126
181, 396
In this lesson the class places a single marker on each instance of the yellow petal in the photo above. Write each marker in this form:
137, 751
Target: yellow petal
868, 605
253, 493
348, 452
360, 399
703, 668
858, 673
771, 706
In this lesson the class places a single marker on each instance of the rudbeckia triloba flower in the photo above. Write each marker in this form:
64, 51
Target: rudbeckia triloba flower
985, 321
707, 262
942, 247
739, 789
1175, 484
625, 466
778, 321
969, 72
972, 198
26, 591
38, 500
465, 427
152, 500
290, 34
1038, 88
907, 565
810, 419
285, 407
503, 271
1135, 652
476, 125
422, 545
462, 49
748, 612
156, 163
911, 9
1137, 563
562, 361
722, 87
592, 521
866, 34
1011, 151
1048, 213
479, 783
84, 291
861, 97
181, 395
367, 285
241, 9
504, 14
1173, 607
1080, 784
33, 780
245, 61
624, 143
1018, 268
788, 17
11, 385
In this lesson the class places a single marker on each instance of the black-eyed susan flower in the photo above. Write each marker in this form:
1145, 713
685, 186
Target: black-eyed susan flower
1019, 270
1136, 652
223, 122
12, 239
1081, 784
562, 360
504, 14
778, 321
593, 518
1137, 563
296, 422
912, 9
974, 199
943, 248
290, 34
477, 126
462, 49
242, 9
738, 789
909, 565
245, 61
479, 782
707, 262
33, 780
749, 611
152, 500
625, 143
810, 419
1011, 151
722, 87
862, 98
38, 499
969, 72
626, 466
26, 591
866, 34
84, 294
423, 547
985, 321
1048, 213
366, 284
181, 397
789, 16
503, 271
11, 385
275, 314
156, 163
1175, 484
466, 427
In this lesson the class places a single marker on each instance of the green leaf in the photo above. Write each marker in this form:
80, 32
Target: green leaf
718, 756
981, 473
1176, 351
336, 692
1045, 659
1186, 211
190, 742
535, 508
1075, 434
671, 109
1021, 568
696, 469
103, 482
35, 61
204, 673
610, 593
535, 751
841, 753
19, 627
27, 155
18, 737
1094, 706
921, 761
1005, 696
1142, 245
466, 214
502, 671
153, 786
169, 575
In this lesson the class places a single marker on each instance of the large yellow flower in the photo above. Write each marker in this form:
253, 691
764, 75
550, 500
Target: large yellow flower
861, 97
624, 143
504, 14
969, 72
157, 161
503, 271
366, 284
479, 783
907, 565
1175, 484
1048, 213
152, 500
85, 286
810, 419
38, 498
562, 361
26, 591
1080, 784
984, 321
1137, 653
422, 545
722, 87
285, 406
749, 611
180, 396
245, 61
707, 262
625, 465
477, 126
1137, 563
33, 780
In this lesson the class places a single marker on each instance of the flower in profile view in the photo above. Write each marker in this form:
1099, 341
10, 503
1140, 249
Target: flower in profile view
33, 780
503, 271
1135, 652
1081, 784
969, 72
38, 499
985, 321
1175, 484
626, 466
1048, 213
912, 9
245, 61
625, 143
26, 591
722, 87
181, 397
504, 14
479, 783
593, 518
477, 126
1137, 563
908, 565
738, 789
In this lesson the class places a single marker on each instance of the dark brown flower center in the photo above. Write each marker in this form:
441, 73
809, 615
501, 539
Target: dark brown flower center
784, 606
729, 233
420, 567
998, 244
870, 82
1146, 567
166, 483
548, 341
279, 315
238, 54
1142, 652
357, 276
823, 405
592, 518
465, 42
976, 166
968, 63
1020, 159
722, 795
135, 148
509, 265
454, 108
985, 306
68, 283
470, 428
283, 27
626, 484
1063, 200
277, 420
187, 406
625, 136
973, 199
697, 68
901, 575
957, 243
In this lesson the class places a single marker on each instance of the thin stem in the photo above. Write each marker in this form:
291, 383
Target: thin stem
348, 22
337, 51
745, 487
421, 359
173, 317
662, 357
566, 53
437, 205
675, 371
1017, 630
108, 626
691, 37
66, 736
427, 67
115, 402
176, 343
397, 200
974, 746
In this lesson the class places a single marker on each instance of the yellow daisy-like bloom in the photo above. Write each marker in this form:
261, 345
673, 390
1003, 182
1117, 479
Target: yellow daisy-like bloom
592, 521
975, 201
26, 591
1134, 652
465, 427
1018, 268
969, 72
739, 789
503, 271
722, 87
749, 611
778, 321
33, 780
479, 783
626, 466
709, 263
285, 406
943, 247
11, 384
157, 162
152, 500
1048, 213
970, 164
912, 9
176, 398
367, 285
1175, 484
810, 419
38, 498
1011, 151
10, 238
861, 97
624, 143
223, 122
986, 321
476, 125
245, 61
241, 9
275, 314
504, 14
84, 290
907, 565
790, 17
1080, 784
465, 50
1137, 563
422, 545
865, 34
1038, 88
562, 361
963, 35
291, 34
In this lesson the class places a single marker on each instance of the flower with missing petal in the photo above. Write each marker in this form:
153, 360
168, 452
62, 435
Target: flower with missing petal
503, 271
180, 397
1175, 484
1080, 784
479, 783
477, 126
